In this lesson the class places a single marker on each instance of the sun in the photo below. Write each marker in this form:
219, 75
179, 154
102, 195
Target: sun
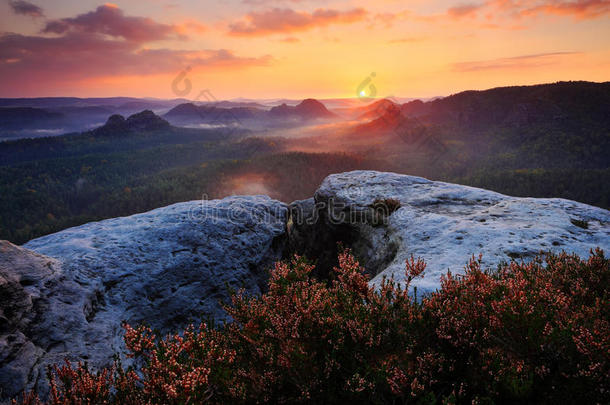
362, 93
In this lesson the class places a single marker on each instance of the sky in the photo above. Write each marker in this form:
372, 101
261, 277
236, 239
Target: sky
201, 49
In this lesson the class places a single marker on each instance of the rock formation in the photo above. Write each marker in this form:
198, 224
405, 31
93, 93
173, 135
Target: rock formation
65, 295
117, 125
166, 268
444, 223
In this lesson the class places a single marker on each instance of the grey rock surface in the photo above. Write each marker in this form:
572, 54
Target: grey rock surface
69, 292
446, 224
25, 281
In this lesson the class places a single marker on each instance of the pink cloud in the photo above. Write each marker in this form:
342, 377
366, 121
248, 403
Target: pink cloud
285, 20
104, 43
464, 10
516, 9
110, 20
84, 56
580, 9
509, 14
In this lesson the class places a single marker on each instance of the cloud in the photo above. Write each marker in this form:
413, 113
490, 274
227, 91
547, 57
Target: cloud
520, 62
76, 56
464, 10
25, 8
103, 43
290, 40
519, 9
285, 20
509, 14
110, 20
580, 9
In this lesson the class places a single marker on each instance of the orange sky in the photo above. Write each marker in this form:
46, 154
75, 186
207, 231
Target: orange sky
297, 48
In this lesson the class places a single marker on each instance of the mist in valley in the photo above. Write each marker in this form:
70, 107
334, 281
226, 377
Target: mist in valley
524, 141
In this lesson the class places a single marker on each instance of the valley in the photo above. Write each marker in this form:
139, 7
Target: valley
539, 141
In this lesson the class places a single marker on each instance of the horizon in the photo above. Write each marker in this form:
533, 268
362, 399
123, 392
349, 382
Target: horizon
257, 49
401, 99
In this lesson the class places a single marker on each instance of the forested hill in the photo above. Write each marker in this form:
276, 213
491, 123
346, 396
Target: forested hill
562, 103
560, 125
563, 125
118, 134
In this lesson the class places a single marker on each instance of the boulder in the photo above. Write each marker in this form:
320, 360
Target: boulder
67, 294
445, 224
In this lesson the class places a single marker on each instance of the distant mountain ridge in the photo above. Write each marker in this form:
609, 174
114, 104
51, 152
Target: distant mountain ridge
53, 102
209, 113
473, 110
15, 118
519, 105
32, 118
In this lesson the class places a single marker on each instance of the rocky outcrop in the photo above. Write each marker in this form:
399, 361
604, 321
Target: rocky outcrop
25, 277
307, 109
166, 268
443, 223
117, 125
65, 295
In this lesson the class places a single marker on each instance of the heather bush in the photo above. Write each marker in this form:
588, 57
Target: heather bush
534, 332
